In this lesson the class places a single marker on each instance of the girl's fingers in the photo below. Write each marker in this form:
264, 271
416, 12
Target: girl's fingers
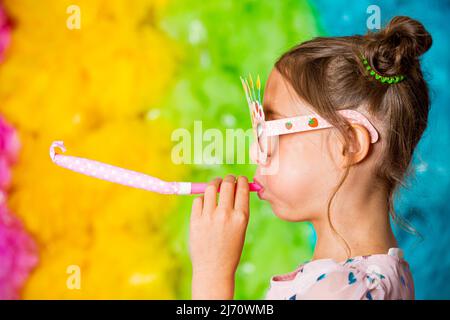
210, 195
242, 195
226, 196
197, 206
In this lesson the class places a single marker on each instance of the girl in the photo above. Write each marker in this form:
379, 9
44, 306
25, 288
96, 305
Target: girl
342, 179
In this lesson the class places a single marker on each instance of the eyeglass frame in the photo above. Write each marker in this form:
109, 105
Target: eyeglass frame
303, 123
295, 124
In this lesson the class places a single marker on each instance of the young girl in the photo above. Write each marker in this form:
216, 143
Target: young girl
341, 178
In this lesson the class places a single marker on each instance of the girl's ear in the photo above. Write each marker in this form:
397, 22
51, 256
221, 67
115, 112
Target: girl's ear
359, 147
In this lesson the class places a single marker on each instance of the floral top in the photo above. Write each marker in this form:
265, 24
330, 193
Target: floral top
373, 277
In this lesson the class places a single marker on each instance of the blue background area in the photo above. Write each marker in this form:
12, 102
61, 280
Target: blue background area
425, 202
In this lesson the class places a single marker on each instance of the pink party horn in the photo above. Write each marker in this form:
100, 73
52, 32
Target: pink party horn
127, 177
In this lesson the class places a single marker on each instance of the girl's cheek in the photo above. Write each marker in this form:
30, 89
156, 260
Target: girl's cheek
301, 177
297, 170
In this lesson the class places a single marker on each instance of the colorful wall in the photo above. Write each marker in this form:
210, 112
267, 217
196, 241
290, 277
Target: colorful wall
115, 89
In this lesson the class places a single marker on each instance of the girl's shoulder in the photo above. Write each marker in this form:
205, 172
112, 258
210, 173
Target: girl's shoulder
378, 276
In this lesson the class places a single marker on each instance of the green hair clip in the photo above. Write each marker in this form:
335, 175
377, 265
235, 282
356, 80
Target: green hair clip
380, 78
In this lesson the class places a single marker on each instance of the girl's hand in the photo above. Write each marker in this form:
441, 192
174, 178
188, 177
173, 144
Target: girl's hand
217, 233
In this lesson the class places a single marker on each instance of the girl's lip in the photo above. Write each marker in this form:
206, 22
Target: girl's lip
261, 191
255, 180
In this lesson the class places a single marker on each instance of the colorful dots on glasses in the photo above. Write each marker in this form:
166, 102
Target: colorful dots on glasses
312, 122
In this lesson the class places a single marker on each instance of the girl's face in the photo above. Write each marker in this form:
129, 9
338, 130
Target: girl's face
303, 168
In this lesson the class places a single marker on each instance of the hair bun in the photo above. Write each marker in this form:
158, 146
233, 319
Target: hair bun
396, 49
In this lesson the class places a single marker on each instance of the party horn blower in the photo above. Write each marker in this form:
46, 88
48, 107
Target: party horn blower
126, 177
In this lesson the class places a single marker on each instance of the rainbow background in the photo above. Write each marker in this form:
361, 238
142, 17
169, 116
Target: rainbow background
116, 89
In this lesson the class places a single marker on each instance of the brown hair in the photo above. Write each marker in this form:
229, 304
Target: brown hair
328, 74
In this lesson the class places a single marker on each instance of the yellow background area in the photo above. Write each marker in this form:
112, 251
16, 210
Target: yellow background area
92, 88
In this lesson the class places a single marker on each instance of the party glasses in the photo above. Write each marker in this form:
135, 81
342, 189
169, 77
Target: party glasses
264, 129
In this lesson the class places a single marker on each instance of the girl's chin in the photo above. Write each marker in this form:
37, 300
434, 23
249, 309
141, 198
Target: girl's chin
287, 214
287, 217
